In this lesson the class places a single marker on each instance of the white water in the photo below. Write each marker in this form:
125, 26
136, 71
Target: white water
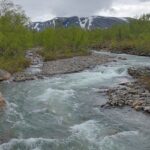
63, 113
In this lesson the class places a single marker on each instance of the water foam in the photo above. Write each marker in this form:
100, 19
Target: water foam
87, 130
31, 143
117, 140
98, 75
56, 94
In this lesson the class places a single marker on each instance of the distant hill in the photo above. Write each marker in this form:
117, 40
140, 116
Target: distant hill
92, 22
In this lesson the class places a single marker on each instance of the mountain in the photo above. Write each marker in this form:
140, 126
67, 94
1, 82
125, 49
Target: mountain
83, 22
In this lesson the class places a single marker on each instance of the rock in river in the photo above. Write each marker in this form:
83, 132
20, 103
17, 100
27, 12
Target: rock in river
4, 75
130, 94
2, 101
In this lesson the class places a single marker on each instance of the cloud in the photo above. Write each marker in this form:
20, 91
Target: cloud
47, 9
79, 7
135, 9
50, 8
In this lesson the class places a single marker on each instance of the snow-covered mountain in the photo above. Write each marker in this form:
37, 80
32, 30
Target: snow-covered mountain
83, 22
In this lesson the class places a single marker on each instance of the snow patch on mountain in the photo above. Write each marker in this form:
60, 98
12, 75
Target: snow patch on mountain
90, 21
82, 22
124, 19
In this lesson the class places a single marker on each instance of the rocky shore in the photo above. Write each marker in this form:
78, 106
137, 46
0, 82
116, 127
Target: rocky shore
60, 66
134, 94
4, 75
124, 51
74, 64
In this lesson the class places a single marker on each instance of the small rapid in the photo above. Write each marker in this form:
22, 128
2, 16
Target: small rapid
63, 112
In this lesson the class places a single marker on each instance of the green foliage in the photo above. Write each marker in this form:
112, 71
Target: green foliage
62, 43
133, 37
13, 64
16, 38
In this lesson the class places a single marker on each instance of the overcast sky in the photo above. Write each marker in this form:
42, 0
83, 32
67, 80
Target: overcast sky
40, 10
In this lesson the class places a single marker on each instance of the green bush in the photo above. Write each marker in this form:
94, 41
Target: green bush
62, 43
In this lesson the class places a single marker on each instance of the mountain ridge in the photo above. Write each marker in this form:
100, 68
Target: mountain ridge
91, 22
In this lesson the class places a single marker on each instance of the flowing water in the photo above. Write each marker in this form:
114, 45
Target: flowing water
63, 113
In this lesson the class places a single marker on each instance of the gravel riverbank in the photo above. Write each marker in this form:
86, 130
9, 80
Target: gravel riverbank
74, 64
60, 66
134, 94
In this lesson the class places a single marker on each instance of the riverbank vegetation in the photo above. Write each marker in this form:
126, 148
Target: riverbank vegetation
16, 38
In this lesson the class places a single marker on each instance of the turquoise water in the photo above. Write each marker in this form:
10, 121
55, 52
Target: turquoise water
63, 112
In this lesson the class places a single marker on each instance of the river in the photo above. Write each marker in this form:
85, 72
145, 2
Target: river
63, 112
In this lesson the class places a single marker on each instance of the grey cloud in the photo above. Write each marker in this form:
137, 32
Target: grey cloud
46, 9
79, 7
39, 8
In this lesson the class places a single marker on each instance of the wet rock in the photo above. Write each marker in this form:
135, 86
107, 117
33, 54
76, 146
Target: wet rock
137, 72
105, 106
137, 103
133, 95
4, 75
2, 101
138, 108
133, 91
103, 91
19, 77
147, 109
129, 102
122, 58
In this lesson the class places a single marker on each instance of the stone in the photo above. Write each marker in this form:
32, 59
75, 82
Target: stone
106, 106
133, 95
20, 77
122, 58
137, 72
132, 91
102, 90
4, 75
138, 108
129, 102
2, 101
137, 103
147, 109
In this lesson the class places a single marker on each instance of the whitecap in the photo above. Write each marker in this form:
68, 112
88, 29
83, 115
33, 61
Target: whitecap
31, 143
87, 130
56, 94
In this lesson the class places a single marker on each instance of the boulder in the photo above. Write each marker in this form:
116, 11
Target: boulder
4, 75
20, 77
138, 108
137, 103
2, 101
138, 72
147, 109
122, 58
